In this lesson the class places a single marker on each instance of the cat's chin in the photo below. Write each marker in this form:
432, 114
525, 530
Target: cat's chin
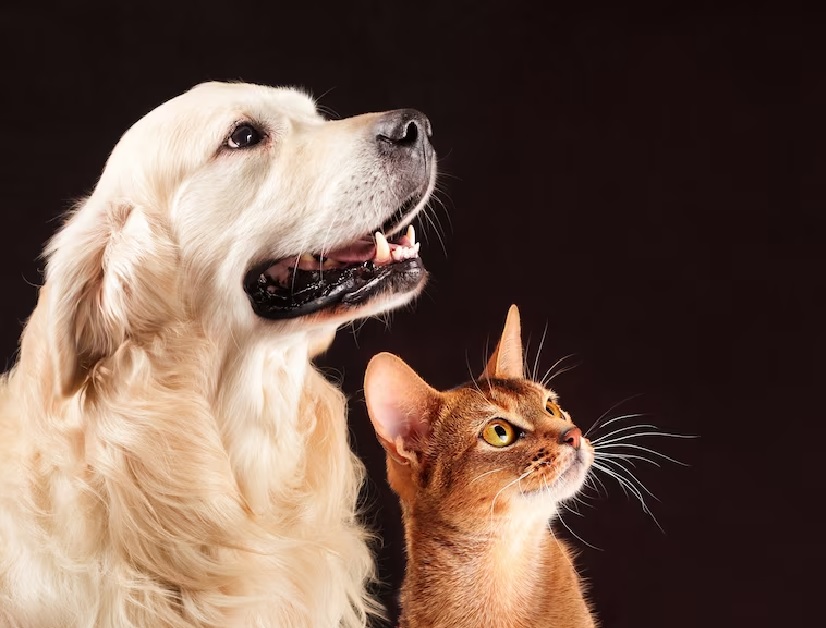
566, 486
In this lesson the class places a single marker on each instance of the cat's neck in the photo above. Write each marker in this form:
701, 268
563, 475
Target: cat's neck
510, 572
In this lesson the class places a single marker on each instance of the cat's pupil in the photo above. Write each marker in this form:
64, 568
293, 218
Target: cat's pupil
501, 432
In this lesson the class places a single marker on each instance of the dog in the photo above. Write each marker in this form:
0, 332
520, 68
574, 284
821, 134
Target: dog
169, 456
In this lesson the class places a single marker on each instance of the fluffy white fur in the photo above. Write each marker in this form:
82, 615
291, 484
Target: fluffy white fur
166, 457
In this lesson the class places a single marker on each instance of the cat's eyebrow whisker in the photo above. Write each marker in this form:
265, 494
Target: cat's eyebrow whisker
470, 372
544, 381
538, 353
559, 372
625, 445
625, 429
486, 473
608, 411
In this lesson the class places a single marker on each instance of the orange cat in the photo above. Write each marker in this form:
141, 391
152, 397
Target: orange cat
480, 470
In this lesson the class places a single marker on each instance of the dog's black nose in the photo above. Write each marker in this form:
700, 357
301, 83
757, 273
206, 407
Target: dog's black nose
404, 130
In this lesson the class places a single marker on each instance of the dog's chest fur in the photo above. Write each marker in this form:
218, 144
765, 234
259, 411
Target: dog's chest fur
203, 500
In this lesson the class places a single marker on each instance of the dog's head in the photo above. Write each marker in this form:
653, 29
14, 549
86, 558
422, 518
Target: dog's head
241, 208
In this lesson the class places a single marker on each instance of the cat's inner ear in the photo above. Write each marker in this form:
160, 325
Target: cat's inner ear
399, 403
507, 361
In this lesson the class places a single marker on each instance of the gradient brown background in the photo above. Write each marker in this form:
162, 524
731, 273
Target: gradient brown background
646, 183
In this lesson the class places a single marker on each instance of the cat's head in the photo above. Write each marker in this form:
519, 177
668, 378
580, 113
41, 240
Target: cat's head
497, 443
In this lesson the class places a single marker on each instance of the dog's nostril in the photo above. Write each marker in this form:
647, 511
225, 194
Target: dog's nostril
402, 135
411, 134
403, 129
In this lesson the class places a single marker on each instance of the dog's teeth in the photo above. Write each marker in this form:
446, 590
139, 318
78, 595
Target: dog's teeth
411, 235
307, 258
415, 250
382, 248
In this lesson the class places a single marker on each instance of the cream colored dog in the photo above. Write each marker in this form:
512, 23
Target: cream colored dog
168, 454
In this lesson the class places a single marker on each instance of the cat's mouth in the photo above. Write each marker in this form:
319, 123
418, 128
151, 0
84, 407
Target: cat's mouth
568, 481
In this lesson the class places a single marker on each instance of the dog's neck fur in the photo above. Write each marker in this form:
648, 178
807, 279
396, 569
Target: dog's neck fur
260, 422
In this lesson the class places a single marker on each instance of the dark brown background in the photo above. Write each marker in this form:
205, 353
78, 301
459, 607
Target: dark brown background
645, 183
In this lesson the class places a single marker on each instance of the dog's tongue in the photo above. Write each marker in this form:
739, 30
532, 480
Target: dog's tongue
359, 251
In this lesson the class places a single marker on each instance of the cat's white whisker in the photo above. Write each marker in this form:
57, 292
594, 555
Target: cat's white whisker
559, 372
629, 457
535, 370
625, 483
544, 381
605, 470
631, 476
507, 486
486, 473
608, 411
618, 445
639, 434
593, 476
567, 527
625, 429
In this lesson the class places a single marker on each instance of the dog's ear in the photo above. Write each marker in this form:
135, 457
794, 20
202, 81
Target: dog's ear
105, 282
507, 361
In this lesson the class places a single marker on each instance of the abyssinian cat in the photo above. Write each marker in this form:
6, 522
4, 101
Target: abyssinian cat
479, 471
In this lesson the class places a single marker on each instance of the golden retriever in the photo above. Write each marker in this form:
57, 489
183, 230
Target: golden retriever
168, 454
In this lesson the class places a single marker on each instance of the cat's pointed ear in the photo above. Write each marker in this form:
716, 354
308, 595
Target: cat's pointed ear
399, 403
507, 361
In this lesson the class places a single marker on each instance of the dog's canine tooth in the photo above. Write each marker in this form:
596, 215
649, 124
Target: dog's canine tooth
382, 248
411, 235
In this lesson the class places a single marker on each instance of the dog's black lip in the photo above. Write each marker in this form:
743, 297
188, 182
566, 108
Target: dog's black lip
348, 286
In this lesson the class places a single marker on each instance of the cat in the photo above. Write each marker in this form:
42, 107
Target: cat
479, 471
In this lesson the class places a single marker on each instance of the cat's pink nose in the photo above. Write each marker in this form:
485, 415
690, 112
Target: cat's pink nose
572, 436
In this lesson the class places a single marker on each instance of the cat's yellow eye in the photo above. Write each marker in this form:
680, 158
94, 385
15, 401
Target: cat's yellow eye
554, 409
499, 433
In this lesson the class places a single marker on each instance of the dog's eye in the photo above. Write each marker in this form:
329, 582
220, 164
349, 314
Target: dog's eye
243, 136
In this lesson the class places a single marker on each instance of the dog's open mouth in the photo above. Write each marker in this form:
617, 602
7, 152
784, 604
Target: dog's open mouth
346, 276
